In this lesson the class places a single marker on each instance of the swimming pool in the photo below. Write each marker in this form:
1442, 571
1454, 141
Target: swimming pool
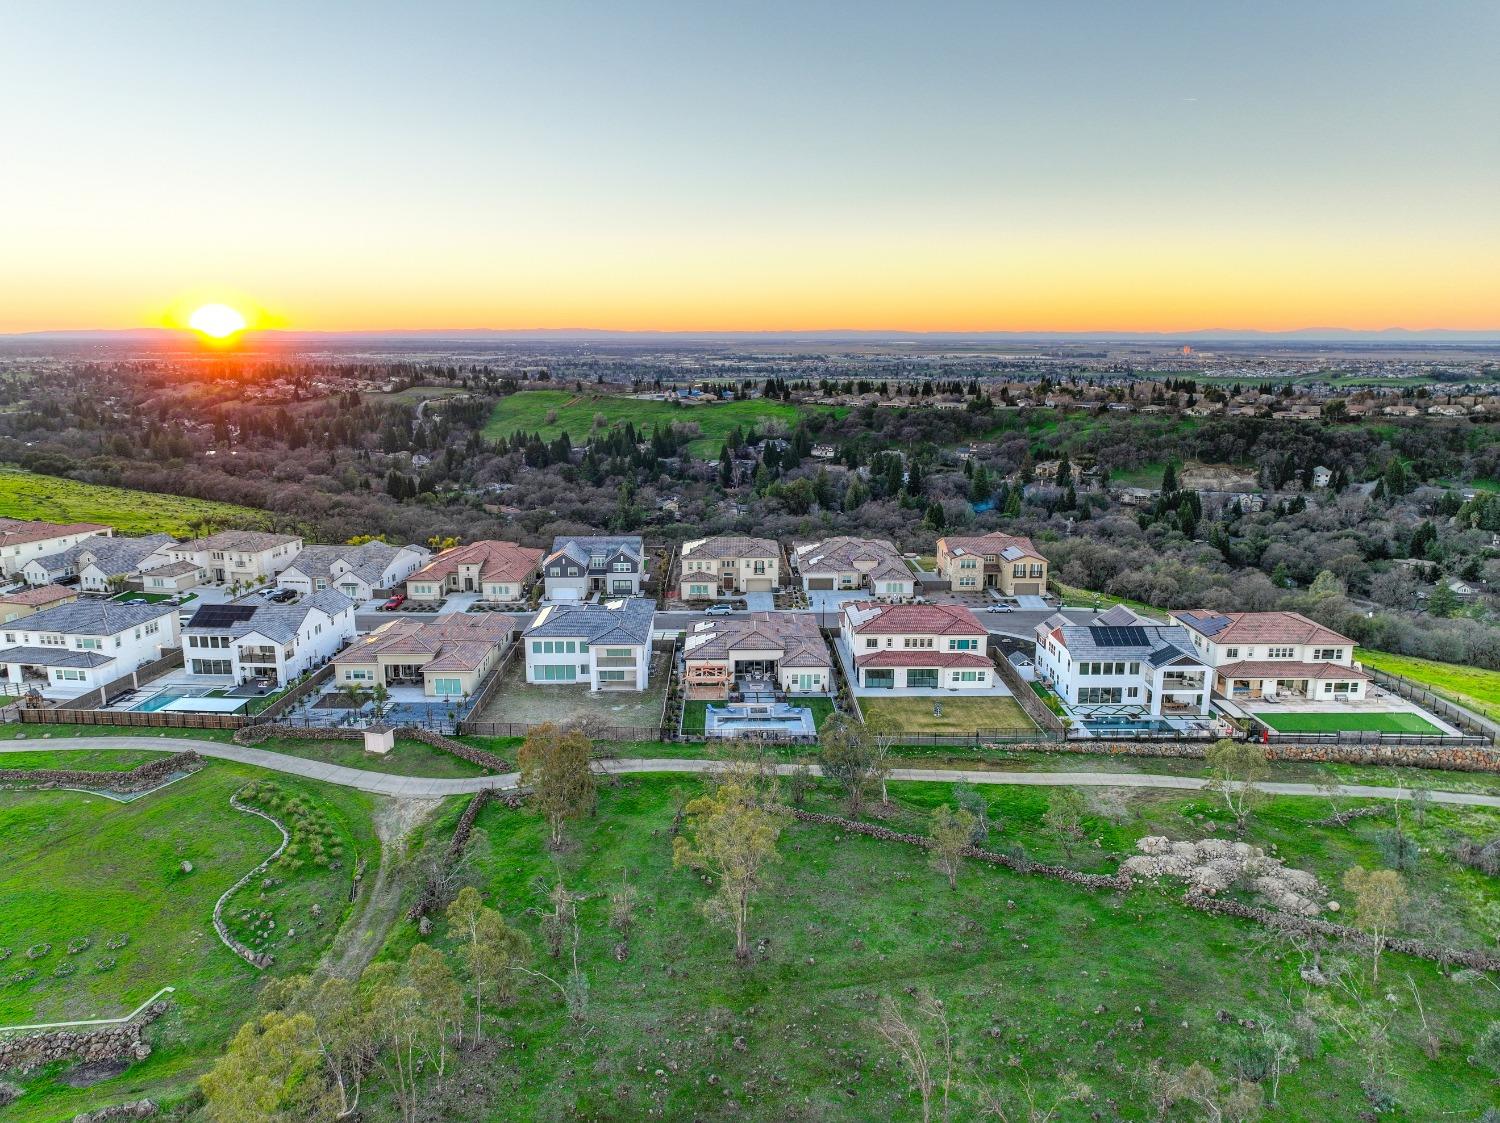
1098, 725
758, 717
160, 699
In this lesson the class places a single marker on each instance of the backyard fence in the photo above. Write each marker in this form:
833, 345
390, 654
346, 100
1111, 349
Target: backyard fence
595, 732
310, 685
144, 673
1032, 706
1420, 694
130, 719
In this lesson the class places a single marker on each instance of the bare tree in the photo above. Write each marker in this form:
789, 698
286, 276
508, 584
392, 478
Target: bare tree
1378, 897
1064, 818
951, 834
1234, 767
928, 1063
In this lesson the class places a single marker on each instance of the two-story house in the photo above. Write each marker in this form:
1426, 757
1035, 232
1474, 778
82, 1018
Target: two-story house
578, 567
247, 641
915, 646
1005, 562
238, 557
849, 563
606, 645
100, 564
446, 658
1122, 664
74, 648
757, 654
1274, 654
497, 571
714, 567
359, 572
23, 540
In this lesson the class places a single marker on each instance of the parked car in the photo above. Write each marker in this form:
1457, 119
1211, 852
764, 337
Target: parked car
1001, 607
285, 596
395, 602
718, 610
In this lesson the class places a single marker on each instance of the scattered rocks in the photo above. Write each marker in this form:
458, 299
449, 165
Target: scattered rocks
120, 1042
186, 866
135, 1109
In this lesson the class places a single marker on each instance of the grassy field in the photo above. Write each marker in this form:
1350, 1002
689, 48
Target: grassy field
1039, 978
528, 411
1474, 687
1075, 597
79, 867
25, 495
692, 713
960, 715
1347, 723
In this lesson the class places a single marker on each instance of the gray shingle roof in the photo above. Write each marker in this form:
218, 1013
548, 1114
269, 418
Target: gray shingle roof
113, 555
277, 622
54, 657
612, 622
94, 617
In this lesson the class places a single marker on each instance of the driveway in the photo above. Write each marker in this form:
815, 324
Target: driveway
428, 788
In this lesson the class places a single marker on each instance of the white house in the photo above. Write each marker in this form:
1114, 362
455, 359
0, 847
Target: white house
915, 646
1274, 654
22, 541
99, 562
606, 645
359, 572
238, 557
243, 641
496, 570
855, 563
1321, 476
74, 648
713, 567
1121, 664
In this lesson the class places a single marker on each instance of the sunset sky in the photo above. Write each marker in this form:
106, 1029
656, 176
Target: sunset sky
1038, 166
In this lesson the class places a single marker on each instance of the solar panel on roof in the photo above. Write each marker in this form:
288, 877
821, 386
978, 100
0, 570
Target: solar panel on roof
221, 615
1118, 636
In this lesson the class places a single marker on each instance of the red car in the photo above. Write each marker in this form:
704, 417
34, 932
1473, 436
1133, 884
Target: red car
396, 601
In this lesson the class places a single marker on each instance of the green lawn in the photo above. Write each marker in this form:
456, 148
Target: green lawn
692, 714
528, 411
1028, 968
408, 758
960, 715
1075, 597
79, 867
1474, 687
26, 495
1346, 723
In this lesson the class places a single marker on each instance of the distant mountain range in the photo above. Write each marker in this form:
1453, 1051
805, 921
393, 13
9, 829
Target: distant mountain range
563, 335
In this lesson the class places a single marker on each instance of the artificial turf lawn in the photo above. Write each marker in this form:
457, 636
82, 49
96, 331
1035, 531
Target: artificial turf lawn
1347, 723
76, 865
960, 714
1030, 969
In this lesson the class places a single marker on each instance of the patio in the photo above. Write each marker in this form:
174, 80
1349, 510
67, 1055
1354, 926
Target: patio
1360, 715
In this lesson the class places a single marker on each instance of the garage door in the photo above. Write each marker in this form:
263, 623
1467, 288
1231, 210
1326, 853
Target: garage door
1027, 589
820, 582
563, 594
757, 585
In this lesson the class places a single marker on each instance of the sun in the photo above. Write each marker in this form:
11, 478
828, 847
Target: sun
217, 321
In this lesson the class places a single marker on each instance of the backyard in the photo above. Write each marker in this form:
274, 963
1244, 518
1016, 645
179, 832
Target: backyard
692, 713
528, 411
959, 714
1474, 687
26, 495
522, 702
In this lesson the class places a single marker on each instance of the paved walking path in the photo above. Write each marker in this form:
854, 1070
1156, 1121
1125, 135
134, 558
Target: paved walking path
424, 787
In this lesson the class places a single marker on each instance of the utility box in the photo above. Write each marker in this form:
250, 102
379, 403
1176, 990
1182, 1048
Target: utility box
380, 741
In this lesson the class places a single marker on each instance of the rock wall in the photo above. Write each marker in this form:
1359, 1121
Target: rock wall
461, 832
134, 1109
123, 1042
142, 779
1462, 759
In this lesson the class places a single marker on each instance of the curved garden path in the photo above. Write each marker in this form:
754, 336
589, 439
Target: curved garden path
423, 787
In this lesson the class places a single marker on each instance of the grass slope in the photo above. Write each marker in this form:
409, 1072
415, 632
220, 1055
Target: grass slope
26, 495
77, 865
1474, 687
1347, 723
528, 410
1059, 978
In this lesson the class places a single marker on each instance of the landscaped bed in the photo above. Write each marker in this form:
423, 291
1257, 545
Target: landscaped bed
959, 714
1293, 722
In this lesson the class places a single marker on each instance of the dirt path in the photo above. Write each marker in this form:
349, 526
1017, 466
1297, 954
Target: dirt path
379, 904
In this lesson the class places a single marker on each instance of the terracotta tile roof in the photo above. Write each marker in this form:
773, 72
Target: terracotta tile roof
453, 642
870, 618
890, 657
1258, 627
1285, 668
17, 532
1008, 546
794, 634
39, 596
497, 561
876, 558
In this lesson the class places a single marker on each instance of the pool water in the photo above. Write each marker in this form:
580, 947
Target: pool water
779, 717
1127, 725
160, 699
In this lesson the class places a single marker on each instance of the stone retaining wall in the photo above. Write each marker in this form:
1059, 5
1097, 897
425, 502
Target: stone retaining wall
150, 775
134, 1109
461, 832
1459, 759
123, 1042
255, 734
255, 958
1277, 921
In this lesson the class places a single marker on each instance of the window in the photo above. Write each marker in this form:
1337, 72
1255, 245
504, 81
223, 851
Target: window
618, 653
965, 676
1231, 653
1281, 653
212, 667
1018, 570
611, 676
871, 642
358, 676
447, 687
583, 648
963, 645
90, 643
562, 673
1098, 695
69, 674
1328, 654
916, 641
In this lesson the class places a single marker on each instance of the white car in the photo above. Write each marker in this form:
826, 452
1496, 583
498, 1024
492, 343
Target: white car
718, 610
1001, 608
